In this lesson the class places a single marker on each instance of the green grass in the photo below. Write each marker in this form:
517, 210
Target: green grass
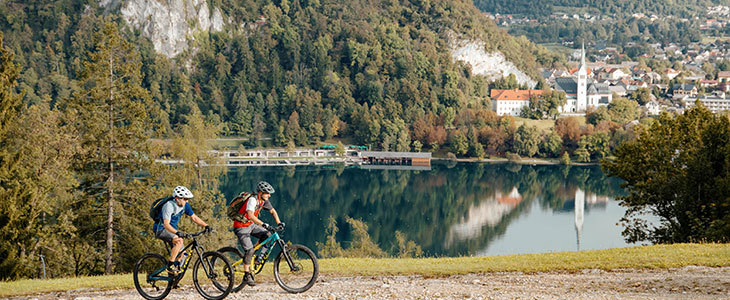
642, 257
543, 125
557, 47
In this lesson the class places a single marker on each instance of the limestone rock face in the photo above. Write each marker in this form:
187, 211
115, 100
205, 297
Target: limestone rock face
492, 65
169, 24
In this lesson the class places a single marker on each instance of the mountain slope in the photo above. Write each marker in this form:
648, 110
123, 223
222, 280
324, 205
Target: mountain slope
300, 71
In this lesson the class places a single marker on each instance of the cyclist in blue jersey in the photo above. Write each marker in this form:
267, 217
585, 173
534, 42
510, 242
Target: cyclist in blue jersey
166, 228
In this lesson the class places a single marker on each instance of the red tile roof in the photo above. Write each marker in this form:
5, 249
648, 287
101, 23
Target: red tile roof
505, 95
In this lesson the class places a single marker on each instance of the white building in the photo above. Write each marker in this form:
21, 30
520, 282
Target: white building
582, 92
716, 103
511, 102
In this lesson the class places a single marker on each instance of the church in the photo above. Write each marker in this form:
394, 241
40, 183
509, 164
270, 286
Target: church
581, 91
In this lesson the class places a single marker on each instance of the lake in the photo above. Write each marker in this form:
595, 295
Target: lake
453, 209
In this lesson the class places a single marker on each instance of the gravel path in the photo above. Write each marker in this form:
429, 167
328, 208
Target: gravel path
682, 283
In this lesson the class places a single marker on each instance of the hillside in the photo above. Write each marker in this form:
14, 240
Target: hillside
617, 22
299, 71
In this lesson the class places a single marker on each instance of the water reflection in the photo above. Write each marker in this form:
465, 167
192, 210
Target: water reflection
487, 213
450, 210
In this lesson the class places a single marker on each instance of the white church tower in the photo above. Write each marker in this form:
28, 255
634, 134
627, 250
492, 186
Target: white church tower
581, 102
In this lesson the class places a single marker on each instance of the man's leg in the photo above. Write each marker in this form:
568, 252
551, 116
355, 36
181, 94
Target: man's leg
177, 244
244, 238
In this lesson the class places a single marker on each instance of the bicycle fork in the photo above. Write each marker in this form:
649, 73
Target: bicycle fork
285, 249
206, 263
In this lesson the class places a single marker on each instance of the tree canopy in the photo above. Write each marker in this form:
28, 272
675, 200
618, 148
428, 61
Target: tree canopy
677, 170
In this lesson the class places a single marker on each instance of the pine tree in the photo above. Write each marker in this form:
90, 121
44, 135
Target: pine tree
110, 115
10, 193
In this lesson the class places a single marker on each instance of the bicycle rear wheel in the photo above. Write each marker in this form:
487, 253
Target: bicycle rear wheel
150, 277
301, 274
236, 259
210, 272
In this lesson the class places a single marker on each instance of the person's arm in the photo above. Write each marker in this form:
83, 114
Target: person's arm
166, 224
252, 216
275, 215
198, 221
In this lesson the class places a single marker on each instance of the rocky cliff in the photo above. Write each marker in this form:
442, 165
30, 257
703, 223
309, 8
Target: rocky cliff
492, 65
169, 24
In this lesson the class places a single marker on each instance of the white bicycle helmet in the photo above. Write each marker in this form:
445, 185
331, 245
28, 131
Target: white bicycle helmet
182, 192
265, 187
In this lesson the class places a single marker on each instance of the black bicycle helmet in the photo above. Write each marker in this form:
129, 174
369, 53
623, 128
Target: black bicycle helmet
265, 187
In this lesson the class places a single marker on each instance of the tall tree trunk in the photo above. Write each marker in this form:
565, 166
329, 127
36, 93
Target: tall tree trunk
110, 210
200, 175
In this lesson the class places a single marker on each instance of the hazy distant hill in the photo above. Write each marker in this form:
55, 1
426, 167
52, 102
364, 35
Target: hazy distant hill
618, 22
680, 9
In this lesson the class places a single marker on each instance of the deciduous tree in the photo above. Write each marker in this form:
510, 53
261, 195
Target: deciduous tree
677, 170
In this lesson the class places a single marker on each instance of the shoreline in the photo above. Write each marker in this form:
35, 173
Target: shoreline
530, 161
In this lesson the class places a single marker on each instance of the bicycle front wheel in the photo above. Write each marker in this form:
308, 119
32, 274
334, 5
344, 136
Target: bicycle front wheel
212, 276
150, 277
236, 259
296, 269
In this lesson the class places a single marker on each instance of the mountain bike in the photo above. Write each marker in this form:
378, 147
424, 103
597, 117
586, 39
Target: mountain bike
295, 267
211, 274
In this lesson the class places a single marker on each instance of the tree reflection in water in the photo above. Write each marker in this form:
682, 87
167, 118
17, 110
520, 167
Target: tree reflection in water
451, 210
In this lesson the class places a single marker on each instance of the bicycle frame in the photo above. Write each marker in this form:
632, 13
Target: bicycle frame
189, 248
272, 240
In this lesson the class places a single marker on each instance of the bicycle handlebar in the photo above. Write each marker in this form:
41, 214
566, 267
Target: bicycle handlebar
192, 235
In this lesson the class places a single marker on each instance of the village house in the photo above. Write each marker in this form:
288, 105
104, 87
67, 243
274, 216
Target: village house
652, 108
680, 90
619, 89
723, 76
511, 102
671, 73
613, 73
708, 83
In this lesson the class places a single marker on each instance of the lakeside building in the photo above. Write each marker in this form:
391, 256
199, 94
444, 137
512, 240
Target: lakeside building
511, 102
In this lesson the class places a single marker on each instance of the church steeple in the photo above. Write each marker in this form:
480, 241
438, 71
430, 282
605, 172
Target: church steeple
582, 82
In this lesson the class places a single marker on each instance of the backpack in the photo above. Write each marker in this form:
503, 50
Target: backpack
235, 207
156, 207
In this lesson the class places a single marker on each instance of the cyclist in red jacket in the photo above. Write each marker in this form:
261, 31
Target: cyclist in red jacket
254, 226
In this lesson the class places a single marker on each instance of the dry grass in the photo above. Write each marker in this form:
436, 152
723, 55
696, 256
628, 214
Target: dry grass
643, 257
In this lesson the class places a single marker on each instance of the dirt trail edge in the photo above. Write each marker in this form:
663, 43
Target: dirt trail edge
681, 283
